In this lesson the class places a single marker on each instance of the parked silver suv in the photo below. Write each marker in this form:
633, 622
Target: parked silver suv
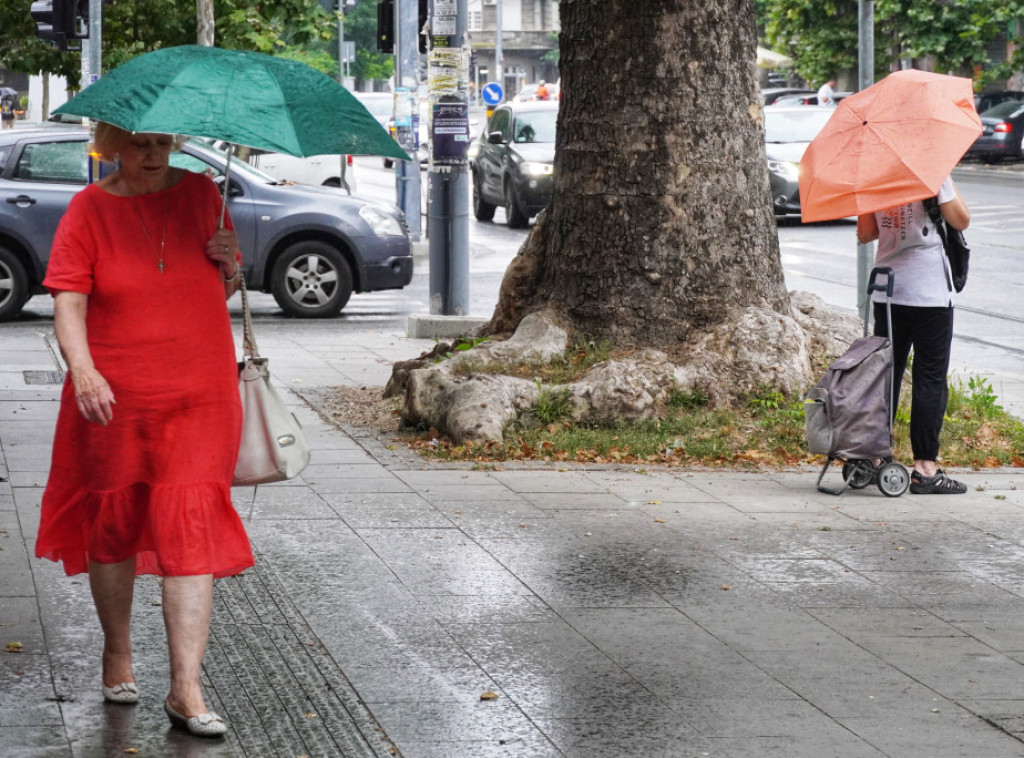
311, 247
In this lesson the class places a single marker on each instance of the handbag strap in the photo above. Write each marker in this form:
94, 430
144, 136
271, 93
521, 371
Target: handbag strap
249, 347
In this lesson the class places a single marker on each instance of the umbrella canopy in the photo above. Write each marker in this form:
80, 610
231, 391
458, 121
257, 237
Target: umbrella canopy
8, 92
770, 59
892, 143
237, 96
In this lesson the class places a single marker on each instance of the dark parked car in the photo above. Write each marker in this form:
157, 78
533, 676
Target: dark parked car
788, 130
311, 247
513, 165
1002, 133
983, 101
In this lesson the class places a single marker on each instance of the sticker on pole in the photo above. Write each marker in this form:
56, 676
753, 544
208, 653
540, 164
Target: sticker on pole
491, 93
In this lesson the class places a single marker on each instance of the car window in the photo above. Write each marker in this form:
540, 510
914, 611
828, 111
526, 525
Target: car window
5, 153
800, 125
535, 127
1004, 109
499, 122
193, 164
63, 162
202, 165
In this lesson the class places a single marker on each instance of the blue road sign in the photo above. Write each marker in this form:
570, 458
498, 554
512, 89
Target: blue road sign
491, 93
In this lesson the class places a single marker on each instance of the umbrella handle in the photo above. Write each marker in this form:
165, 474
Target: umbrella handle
227, 183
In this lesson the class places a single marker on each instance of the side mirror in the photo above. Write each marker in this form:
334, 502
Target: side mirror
495, 138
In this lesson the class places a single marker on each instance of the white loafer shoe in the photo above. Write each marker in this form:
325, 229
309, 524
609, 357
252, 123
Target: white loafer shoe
125, 692
203, 725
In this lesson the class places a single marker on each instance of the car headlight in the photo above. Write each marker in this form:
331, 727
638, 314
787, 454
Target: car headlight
787, 169
537, 169
382, 224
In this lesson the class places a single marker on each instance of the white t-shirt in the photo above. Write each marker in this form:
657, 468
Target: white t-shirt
826, 95
909, 244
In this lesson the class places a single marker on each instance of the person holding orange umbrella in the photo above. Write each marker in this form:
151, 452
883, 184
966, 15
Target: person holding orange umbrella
922, 319
883, 151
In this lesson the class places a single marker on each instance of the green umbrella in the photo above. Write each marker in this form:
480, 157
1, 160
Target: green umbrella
241, 97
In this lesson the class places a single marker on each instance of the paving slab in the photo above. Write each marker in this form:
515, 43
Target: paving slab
613, 611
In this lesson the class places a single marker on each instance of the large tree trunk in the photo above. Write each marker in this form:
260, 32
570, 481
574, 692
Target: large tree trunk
661, 226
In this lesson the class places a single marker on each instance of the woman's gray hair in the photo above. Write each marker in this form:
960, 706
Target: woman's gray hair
107, 140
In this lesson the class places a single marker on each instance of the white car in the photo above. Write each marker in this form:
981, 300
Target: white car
319, 170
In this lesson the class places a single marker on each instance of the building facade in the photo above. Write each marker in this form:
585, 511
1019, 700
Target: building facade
529, 31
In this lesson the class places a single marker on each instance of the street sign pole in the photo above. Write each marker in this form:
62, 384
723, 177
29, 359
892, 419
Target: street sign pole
448, 174
407, 173
866, 71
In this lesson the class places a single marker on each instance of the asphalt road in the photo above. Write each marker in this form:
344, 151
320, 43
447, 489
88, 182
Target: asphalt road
818, 258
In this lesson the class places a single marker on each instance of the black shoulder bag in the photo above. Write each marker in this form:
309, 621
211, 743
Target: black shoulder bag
953, 243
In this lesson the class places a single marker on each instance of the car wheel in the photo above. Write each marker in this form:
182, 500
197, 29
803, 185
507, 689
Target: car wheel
311, 280
482, 209
516, 218
14, 291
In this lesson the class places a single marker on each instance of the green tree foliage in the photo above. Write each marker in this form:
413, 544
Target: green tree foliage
821, 36
132, 27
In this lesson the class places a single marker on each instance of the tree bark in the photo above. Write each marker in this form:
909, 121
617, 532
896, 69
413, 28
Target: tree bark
661, 226
205, 26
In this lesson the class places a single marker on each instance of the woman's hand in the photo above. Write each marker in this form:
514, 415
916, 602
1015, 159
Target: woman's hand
93, 396
222, 249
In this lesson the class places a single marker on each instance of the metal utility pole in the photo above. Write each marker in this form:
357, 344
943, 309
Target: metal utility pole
499, 57
866, 71
407, 173
91, 53
448, 176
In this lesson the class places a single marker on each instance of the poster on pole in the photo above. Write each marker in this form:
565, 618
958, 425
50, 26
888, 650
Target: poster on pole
449, 132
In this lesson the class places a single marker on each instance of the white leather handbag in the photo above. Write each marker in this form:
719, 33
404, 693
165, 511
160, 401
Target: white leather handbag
273, 447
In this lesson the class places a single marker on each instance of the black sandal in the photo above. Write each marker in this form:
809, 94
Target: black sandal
940, 484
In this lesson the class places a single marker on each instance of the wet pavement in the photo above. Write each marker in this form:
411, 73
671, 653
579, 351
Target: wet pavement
614, 612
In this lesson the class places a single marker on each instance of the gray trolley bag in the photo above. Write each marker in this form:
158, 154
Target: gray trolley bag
848, 414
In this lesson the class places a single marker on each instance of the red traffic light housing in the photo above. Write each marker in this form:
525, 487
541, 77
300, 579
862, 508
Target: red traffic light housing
61, 21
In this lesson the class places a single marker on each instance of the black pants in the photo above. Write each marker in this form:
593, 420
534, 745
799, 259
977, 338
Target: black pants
930, 332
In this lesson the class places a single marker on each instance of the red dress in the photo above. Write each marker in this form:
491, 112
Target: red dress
156, 481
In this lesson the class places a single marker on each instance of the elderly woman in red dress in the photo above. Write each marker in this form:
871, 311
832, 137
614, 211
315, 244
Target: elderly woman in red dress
148, 430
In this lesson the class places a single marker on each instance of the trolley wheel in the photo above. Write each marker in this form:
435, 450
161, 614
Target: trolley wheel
893, 479
859, 472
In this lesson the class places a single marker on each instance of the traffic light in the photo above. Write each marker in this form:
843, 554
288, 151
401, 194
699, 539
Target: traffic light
59, 21
386, 26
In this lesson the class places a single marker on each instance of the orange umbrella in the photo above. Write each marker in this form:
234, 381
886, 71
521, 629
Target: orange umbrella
892, 143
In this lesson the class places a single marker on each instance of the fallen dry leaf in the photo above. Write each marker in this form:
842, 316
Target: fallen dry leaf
726, 587
13, 647
489, 695
131, 750
659, 521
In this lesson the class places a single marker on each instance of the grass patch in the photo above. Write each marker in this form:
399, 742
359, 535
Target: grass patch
768, 430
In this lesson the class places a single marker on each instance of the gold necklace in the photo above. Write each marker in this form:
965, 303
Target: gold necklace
163, 237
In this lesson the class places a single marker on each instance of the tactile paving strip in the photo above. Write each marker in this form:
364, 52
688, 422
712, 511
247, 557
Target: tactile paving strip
282, 694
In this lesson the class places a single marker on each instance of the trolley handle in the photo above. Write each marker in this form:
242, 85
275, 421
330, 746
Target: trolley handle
887, 287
